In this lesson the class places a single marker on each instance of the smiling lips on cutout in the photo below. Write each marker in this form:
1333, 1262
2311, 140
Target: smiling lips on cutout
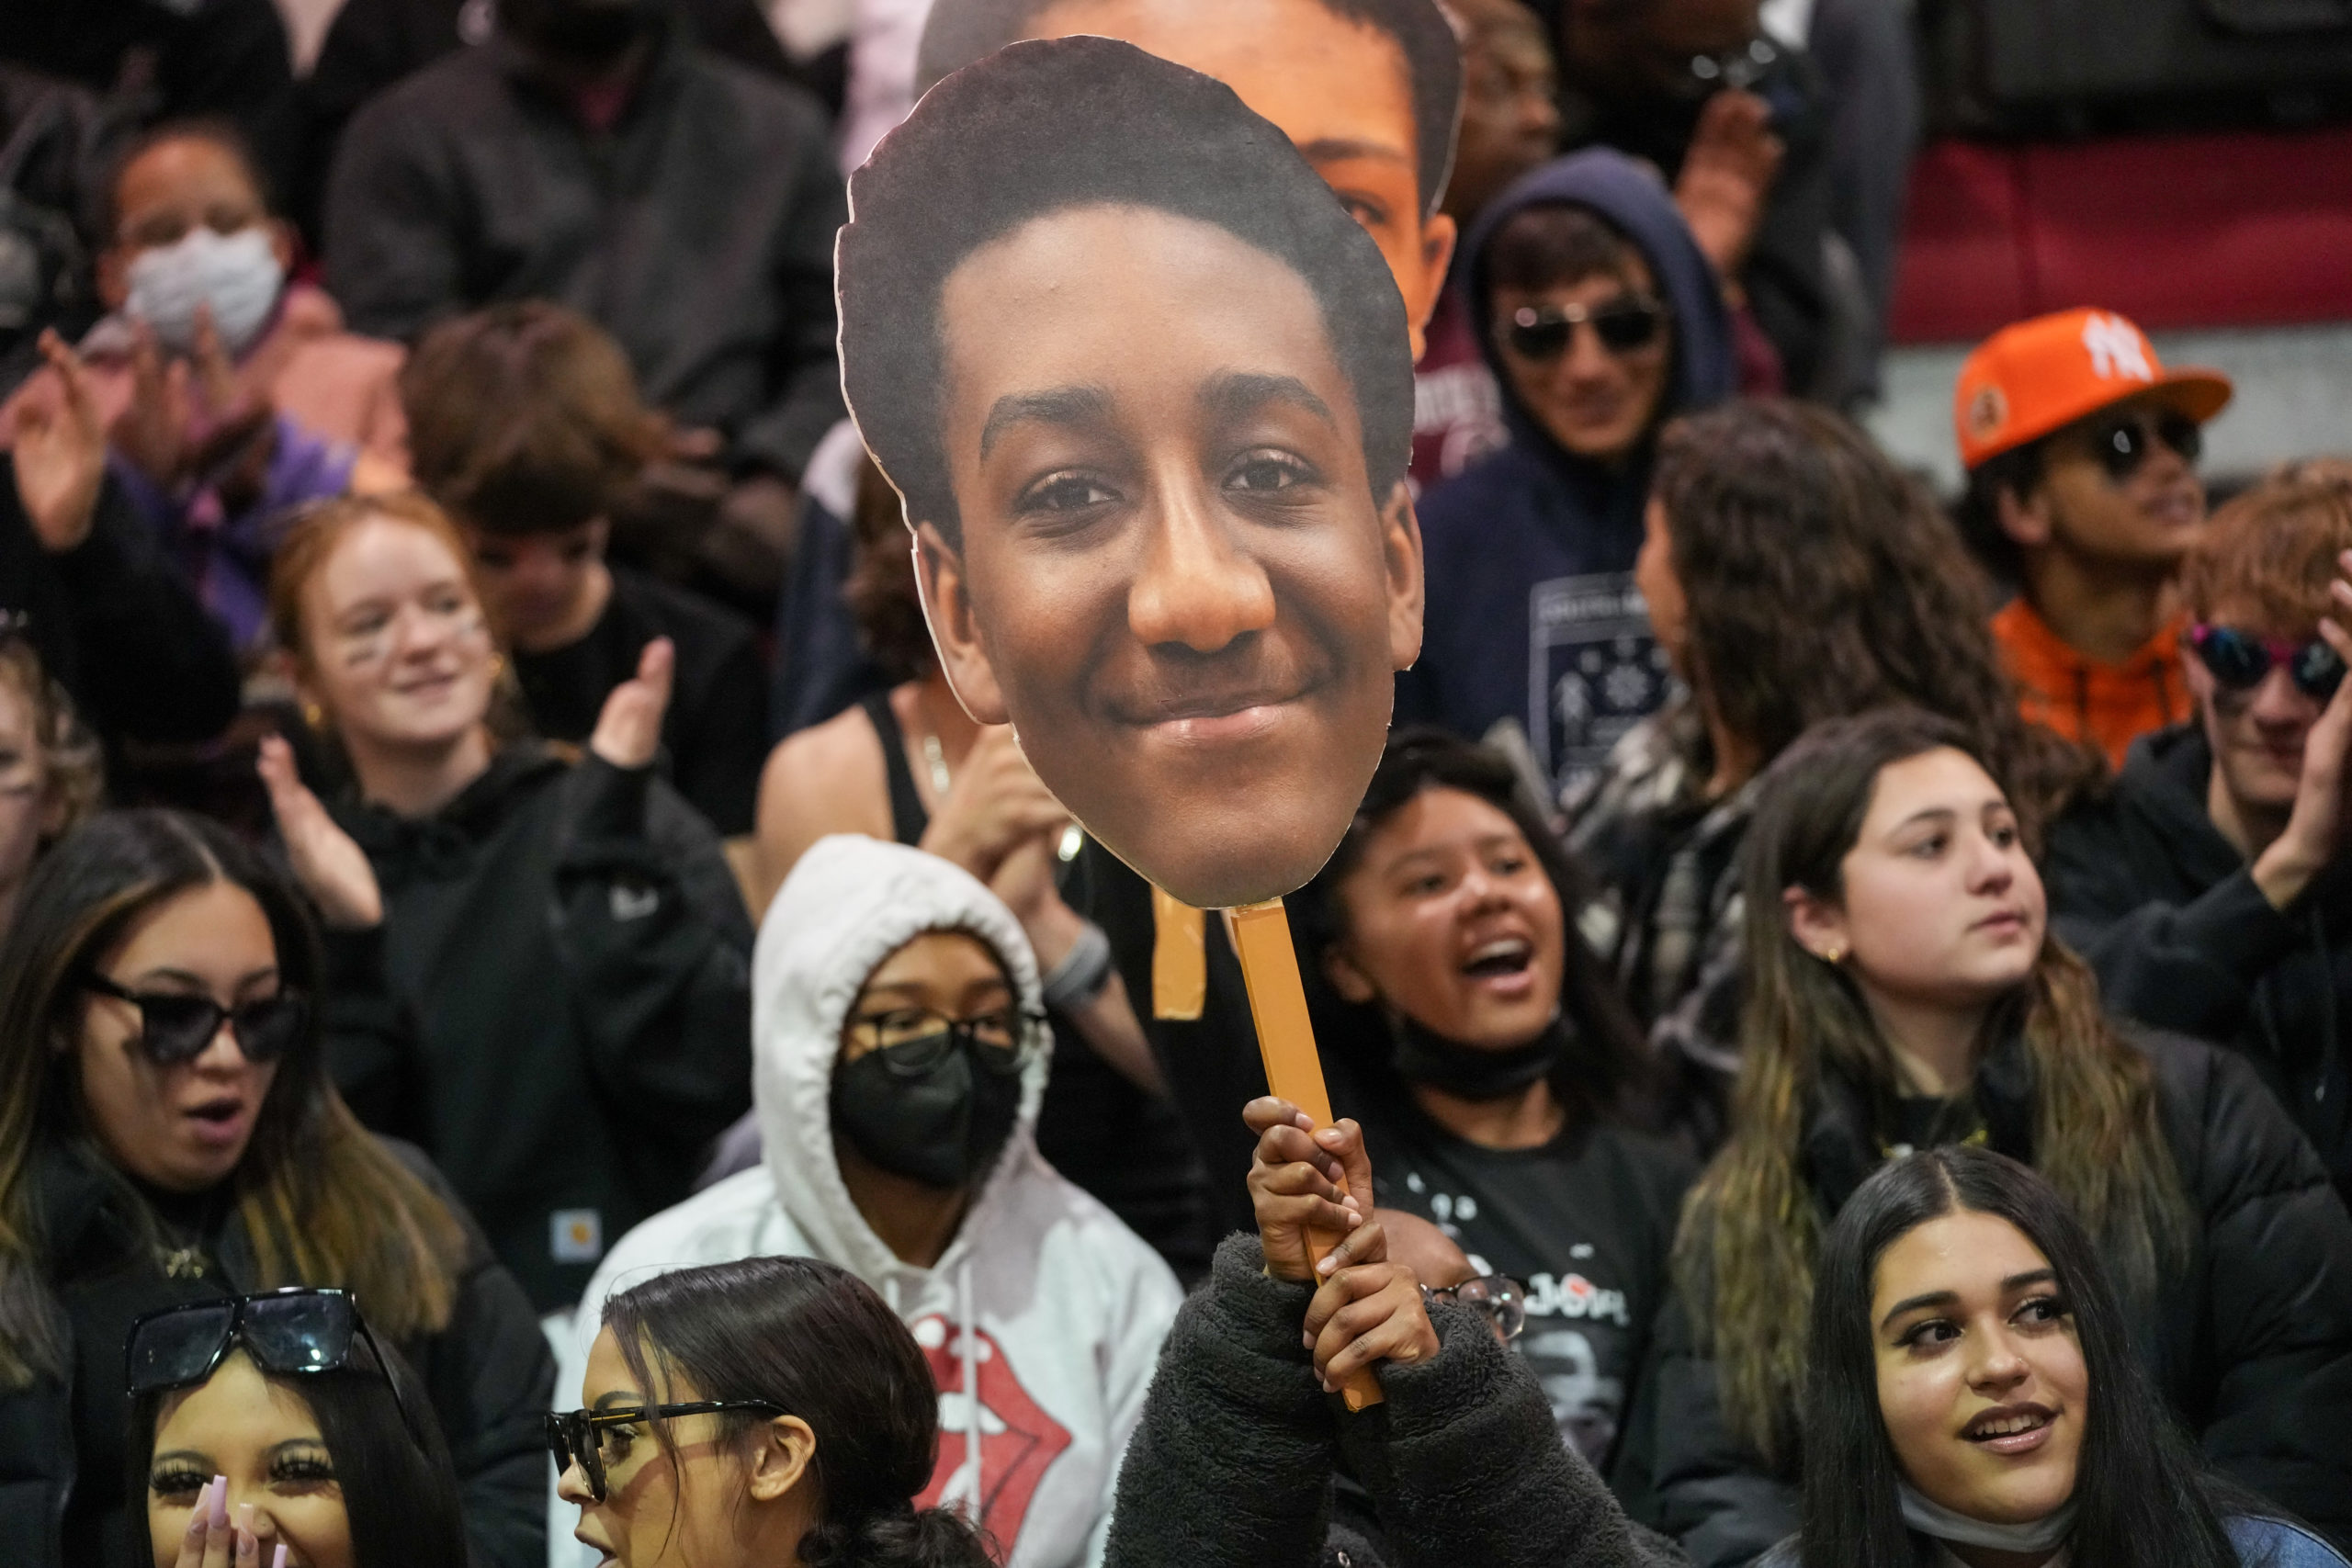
1018, 1440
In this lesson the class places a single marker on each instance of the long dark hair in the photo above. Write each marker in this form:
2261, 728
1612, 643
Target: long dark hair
2140, 1496
816, 1342
1824, 580
1605, 1072
1753, 1224
399, 1491
322, 1202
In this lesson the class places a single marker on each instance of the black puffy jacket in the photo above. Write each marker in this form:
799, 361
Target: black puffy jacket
2166, 909
490, 1375
2250, 1339
1233, 1463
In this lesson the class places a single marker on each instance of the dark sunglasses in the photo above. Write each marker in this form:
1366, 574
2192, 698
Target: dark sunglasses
291, 1332
175, 1027
2125, 443
581, 1436
2239, 659
1622, 325
915, 1041
1501, 1299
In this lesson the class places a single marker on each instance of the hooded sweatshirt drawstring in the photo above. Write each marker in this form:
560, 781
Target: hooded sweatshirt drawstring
968, 1325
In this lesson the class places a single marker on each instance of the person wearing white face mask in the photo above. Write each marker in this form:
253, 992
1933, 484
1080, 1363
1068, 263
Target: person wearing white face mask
228, 394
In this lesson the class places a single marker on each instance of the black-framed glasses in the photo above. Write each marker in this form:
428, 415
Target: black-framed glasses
1501, 1299
2124, 443
175, 1026
296, 1331
1623, 325
2240, 659
913, 1042
582, 1437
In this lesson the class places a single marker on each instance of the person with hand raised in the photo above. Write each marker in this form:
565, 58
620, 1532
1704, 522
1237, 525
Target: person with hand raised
542, 965
1246, 1455
112, 619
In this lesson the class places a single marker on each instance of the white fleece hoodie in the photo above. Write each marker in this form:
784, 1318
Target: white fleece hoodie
1044, 1303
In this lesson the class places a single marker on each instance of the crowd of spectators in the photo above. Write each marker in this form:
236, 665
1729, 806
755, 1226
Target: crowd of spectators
1834, 1000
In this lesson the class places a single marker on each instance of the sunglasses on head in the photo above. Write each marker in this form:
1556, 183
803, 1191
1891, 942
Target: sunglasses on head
584, 1437
292, 1332
2125, 442
1622, 325
2239, 659
175, 1026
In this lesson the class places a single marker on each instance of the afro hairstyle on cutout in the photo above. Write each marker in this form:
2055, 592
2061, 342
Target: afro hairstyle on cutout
959, 32
1043, 127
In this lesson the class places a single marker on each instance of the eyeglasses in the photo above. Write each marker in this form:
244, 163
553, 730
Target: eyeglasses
2240, 659
2123, 443
582, 1437
296, 1331
915, 1041
1502, 1301
175, 1027
1622, 325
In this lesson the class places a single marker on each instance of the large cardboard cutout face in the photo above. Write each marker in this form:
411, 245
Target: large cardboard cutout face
1147, 394
1369, 95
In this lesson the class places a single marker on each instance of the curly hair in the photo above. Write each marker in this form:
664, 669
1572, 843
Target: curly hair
1040, 128
71, 761
1823, 580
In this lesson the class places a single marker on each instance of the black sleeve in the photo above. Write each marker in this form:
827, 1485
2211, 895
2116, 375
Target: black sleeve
153, 664
657, 947
491, 1376
372, 1038
1465, 1465
719, 755
2187, 965
2279, 1301
804, 370
369, 45
1785, 276
1711, 1493
1230, 1466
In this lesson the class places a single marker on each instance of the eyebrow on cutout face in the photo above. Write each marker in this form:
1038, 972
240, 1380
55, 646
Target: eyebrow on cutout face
1332, 148
1075, 407
1235, 394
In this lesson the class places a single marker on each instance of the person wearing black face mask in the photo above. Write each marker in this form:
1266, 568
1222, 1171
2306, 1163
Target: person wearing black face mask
899, 1056
1495, 1074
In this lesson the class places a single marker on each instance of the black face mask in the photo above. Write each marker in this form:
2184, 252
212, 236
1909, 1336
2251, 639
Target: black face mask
1424, 1056
944, 1127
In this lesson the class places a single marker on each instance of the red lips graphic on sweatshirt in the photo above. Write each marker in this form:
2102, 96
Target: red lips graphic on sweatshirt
1018, 1440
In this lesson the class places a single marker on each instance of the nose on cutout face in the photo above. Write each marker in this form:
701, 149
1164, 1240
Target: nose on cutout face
1197, 588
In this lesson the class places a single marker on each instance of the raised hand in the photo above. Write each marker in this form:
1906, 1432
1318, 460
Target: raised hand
628, 730
996, 803
1726, 176
332, 868
2315, 832
213, 1541
1295, 1186
61, 456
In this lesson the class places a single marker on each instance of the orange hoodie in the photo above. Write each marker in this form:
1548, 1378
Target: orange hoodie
2106, 705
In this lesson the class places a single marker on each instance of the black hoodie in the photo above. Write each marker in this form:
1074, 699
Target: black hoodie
1533, 616
2166, 909
567, 950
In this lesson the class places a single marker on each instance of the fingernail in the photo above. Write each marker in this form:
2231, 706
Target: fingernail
219, 1501
245, 1517
278, 1558
1327, 1265
1354, 1219
1350, 1201
1307, 1342
1329, 1137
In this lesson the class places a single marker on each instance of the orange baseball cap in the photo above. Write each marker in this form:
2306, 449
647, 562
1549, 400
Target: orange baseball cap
2035, 376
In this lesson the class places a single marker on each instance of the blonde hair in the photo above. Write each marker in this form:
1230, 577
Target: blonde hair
71, 756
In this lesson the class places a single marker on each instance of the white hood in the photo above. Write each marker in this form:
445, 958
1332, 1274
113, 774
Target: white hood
849, 904
1043, 1319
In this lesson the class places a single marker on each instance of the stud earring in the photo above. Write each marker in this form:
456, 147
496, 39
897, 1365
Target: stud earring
1835, 953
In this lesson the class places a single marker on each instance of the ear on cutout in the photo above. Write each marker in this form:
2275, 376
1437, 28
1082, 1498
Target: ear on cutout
787, 1448
1818, 925
1400, 552
2026, 521
955, 627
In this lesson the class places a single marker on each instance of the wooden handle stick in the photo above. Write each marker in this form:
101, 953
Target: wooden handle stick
1261, 934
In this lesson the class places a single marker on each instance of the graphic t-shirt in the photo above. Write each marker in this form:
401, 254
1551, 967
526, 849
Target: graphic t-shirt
1584, 1223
